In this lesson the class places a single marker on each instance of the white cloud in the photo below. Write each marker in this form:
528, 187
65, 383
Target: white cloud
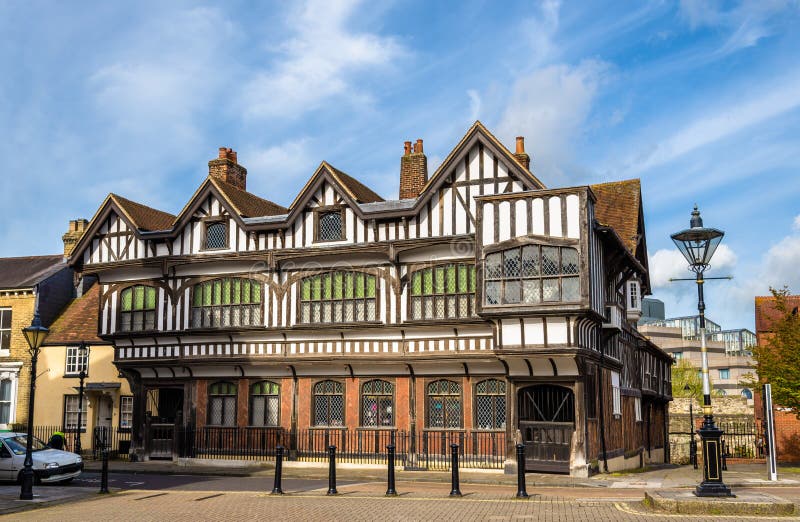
725, 121
550, 107
276, 164
318, 63
796, 223
474, 105
667, 264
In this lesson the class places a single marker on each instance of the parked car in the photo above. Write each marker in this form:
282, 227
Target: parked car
49, 465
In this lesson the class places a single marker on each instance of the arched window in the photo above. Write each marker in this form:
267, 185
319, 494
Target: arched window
328, 404
444, 404
264, 403
747, 394
532, 274
226, 302
222, 404
338, 297
441, 292
490, 405
137, 309
376, 404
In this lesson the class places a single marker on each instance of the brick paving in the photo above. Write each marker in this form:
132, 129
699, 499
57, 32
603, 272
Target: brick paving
363, 502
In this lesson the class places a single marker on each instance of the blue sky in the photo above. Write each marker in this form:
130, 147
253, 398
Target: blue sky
701, 100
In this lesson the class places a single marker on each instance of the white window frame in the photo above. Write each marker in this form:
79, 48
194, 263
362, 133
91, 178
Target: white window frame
72, 409
9, 400
10, 371
126, 412
5, 352
637, 408
616, 394
72, 364
727, 373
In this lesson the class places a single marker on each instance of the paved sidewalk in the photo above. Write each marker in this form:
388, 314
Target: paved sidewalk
42, 496
738, 475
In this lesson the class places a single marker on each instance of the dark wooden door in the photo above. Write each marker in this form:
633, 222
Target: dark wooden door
547, 422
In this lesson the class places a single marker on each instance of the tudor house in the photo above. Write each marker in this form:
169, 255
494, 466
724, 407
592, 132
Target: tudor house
479, 304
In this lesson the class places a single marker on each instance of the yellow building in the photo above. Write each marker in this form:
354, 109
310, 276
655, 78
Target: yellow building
107, 404
26, 283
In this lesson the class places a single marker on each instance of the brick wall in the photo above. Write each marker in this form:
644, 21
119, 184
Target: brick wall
413, 171
21, 316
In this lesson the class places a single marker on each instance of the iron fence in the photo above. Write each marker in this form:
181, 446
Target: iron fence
92, 441
741, 440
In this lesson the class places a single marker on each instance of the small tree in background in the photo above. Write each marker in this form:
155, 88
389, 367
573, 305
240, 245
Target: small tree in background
778, 360
683, 373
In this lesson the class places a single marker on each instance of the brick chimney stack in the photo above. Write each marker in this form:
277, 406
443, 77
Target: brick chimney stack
73, 235
225, 168
413, 170
520, 154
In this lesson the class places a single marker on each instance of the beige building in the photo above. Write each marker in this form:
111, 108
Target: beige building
727, 367
25, 284
107, 404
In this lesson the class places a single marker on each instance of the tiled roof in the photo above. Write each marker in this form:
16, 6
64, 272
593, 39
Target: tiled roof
767, 313
78, 321
360, 192
247, 204
144, 217
617, 206
25, 272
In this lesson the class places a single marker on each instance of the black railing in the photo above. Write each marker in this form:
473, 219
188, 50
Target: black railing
92, 441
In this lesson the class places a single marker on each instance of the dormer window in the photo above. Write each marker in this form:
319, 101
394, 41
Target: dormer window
216, 235
330, 225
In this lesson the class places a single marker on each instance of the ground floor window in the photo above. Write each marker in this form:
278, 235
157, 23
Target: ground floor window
125, 412
444, 404
615, 394
71, 412
264, 404
328, 404
376, 404
490, 405
6, 389
222, 404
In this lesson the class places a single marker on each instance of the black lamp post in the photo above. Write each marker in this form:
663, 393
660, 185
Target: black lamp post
35, 335
692, 443
83, 358
697, 244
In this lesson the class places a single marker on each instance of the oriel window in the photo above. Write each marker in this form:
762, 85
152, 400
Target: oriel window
442, 292
531, 275
138, 309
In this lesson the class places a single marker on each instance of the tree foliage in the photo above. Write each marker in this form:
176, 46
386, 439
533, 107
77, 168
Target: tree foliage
778, 360
685, 373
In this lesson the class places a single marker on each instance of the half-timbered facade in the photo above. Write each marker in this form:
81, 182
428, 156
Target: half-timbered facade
481, 304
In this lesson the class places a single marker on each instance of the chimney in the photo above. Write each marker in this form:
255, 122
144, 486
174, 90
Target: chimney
225, 168
520, 154
413, 170
73, 235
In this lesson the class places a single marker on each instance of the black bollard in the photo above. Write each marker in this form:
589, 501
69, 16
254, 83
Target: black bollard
104, 472
455, 490
276, 486
332, 470
521, 491
390, 491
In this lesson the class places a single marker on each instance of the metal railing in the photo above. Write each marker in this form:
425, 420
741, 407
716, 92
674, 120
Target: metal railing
92, 441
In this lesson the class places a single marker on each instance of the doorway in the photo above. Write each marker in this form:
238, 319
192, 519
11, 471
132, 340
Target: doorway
547, 422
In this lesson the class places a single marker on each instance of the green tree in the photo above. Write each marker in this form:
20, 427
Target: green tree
778, 360
683, 373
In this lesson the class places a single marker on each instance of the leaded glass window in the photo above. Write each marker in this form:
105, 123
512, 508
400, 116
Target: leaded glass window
222, 404
264, 404
137, 308
330, 226
328, 404
490, 405
216, 235
338, 297
444, 404
532, 274
376, 404
226, 302
442, 292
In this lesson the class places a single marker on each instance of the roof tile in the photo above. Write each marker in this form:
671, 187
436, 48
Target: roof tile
78, 321
618, 206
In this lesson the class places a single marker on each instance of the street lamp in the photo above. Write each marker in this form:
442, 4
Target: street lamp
35, 335
697, 244
692, 443
83, 358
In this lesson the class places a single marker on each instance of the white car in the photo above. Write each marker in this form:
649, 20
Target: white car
49, 465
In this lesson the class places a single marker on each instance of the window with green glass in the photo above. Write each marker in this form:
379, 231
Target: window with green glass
137, 309
226, 302
338, 297
532, 274
442, 292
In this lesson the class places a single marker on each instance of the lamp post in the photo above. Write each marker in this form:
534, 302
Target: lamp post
83, 353
697, 244
35, 334
692, 443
